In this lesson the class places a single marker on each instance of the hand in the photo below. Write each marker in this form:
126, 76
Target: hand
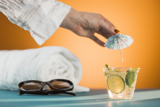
87, 24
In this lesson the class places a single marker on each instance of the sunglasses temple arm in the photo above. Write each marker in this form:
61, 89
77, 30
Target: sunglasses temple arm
71, 93
20, 92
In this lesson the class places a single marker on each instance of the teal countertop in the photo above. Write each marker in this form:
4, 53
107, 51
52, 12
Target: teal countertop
94, 98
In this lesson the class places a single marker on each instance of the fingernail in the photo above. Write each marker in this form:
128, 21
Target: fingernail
116, 30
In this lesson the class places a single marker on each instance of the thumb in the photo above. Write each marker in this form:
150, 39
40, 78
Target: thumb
95, 39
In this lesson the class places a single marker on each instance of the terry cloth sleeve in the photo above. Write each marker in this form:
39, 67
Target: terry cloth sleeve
40, 17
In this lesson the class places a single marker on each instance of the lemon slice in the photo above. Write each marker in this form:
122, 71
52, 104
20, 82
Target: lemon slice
115, 84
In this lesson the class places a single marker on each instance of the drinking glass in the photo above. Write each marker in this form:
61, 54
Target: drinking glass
121, 82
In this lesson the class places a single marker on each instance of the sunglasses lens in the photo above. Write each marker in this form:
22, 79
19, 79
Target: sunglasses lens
32, 86
60, 84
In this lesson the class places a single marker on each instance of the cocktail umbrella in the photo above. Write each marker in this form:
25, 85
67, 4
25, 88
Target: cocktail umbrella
119, 41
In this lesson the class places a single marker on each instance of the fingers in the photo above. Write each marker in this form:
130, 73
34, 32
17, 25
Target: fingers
116, 30
104, 34
95, 39
107, 27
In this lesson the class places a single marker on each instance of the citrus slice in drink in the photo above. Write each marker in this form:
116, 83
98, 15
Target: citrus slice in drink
115, 84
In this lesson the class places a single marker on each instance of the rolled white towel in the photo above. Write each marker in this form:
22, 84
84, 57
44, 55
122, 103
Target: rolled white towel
42, 64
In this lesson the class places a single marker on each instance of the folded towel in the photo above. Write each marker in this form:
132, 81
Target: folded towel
42, 64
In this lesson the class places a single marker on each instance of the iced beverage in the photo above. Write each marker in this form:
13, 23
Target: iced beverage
121, 82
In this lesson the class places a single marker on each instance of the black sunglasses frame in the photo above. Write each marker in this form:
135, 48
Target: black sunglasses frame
46, 92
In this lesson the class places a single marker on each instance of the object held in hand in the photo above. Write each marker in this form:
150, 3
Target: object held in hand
37, 87
119, 41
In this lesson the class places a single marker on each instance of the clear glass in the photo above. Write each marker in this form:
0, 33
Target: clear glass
121, 82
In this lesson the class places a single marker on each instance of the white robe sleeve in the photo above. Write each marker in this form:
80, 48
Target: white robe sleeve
40, 17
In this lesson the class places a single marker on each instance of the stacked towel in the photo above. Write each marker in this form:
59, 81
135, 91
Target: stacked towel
42, 64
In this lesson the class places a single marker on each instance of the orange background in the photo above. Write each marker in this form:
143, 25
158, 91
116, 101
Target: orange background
138, 18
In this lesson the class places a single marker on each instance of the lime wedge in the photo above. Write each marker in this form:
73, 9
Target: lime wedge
115, 84
130, 77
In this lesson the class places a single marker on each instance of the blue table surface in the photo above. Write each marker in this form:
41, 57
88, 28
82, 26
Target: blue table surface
94, 98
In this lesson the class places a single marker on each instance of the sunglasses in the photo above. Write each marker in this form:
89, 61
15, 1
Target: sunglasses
37, 87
